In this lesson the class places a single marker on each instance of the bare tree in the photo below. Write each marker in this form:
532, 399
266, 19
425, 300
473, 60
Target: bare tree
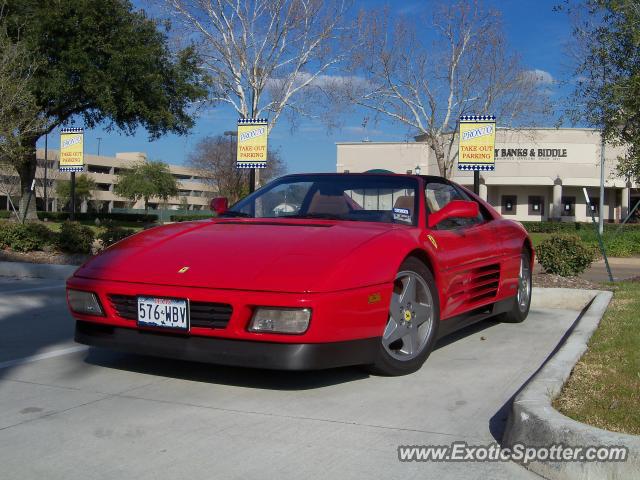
215, 160
427, 79
266, 57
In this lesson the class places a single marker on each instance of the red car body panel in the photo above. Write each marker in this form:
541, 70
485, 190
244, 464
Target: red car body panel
343, 271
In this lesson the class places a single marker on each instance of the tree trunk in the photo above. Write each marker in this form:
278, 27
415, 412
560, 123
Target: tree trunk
438, 153
27, 172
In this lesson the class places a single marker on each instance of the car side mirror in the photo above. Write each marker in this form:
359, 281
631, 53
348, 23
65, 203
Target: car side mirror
454, 209
219, 205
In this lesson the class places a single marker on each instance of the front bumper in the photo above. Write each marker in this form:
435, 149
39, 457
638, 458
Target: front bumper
224, 351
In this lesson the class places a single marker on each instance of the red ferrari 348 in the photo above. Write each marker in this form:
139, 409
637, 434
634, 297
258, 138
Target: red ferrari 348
310, 271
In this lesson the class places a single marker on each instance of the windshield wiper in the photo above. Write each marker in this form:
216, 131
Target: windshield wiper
233, 213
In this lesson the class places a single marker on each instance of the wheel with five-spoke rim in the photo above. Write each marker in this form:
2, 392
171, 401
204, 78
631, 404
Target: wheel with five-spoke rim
411, 329
522, 300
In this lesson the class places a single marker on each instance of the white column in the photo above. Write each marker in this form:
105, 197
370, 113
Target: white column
557, 200
624, 205
612, 193
483, 191
83, 206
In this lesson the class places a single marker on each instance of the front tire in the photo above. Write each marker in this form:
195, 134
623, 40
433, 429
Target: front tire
414, 314
522, 300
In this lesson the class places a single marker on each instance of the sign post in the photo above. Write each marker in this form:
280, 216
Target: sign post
72, 158
252, 146
476, 151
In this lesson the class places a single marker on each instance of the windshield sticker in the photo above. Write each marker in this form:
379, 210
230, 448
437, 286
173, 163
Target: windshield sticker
402, 215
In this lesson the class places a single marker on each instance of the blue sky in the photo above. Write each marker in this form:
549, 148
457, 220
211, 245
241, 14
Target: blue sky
532, 27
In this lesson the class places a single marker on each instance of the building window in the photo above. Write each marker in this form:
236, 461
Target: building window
509, 204
568, 206
593, 206
536, 205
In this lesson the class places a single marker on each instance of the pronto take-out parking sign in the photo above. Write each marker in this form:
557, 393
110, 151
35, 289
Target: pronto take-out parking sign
71, 150
252, 143
477, 142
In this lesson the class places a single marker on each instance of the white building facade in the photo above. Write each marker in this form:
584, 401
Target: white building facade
539, 174
194, 191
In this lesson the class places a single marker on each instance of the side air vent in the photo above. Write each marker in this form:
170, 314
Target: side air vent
480, 284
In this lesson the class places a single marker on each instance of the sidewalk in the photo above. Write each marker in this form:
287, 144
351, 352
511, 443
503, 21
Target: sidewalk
621, 269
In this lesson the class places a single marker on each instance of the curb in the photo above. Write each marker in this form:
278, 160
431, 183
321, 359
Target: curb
36, 270
534, 422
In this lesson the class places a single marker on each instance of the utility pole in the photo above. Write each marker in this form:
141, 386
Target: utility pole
601, 204
46, 167
99, 140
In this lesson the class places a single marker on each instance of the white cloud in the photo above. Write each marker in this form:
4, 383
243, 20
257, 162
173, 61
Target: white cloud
363, 130
541, 76
322, 81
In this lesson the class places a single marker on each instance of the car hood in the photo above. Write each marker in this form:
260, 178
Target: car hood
247, 254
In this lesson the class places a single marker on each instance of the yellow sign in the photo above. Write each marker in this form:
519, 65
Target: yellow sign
252, 143
477, 142
71, 150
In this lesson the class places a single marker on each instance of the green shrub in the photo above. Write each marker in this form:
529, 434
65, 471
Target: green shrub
5, 233
564, 255
25, 237
5, 213
574, 227
75, 238
112, 234
90, 216
191, 216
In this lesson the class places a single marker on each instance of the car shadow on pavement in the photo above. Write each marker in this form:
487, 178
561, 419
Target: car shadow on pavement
248, 377
224, 375
465, 332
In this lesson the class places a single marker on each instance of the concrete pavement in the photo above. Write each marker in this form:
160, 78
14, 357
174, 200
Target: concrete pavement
102, 415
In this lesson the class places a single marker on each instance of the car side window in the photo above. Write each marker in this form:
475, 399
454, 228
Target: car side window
439, 194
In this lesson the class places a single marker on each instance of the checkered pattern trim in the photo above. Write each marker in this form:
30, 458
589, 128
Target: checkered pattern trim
72, 169
252, 121
477, 118
72, 130
251, 165
476, 166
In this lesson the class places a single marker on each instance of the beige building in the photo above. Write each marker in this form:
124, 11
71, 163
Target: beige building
194, 191
539, 173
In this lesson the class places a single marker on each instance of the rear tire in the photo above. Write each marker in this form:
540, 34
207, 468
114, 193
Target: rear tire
522, 300
412, 327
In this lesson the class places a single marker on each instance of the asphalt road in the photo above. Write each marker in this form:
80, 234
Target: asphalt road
67, 412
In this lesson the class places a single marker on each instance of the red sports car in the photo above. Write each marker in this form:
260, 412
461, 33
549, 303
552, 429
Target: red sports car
311, 271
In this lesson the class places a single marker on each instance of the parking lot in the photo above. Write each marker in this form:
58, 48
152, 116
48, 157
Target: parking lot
69, 412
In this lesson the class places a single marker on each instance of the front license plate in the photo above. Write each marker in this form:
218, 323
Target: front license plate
163, 312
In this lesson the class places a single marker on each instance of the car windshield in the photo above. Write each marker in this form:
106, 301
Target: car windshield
367, 198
